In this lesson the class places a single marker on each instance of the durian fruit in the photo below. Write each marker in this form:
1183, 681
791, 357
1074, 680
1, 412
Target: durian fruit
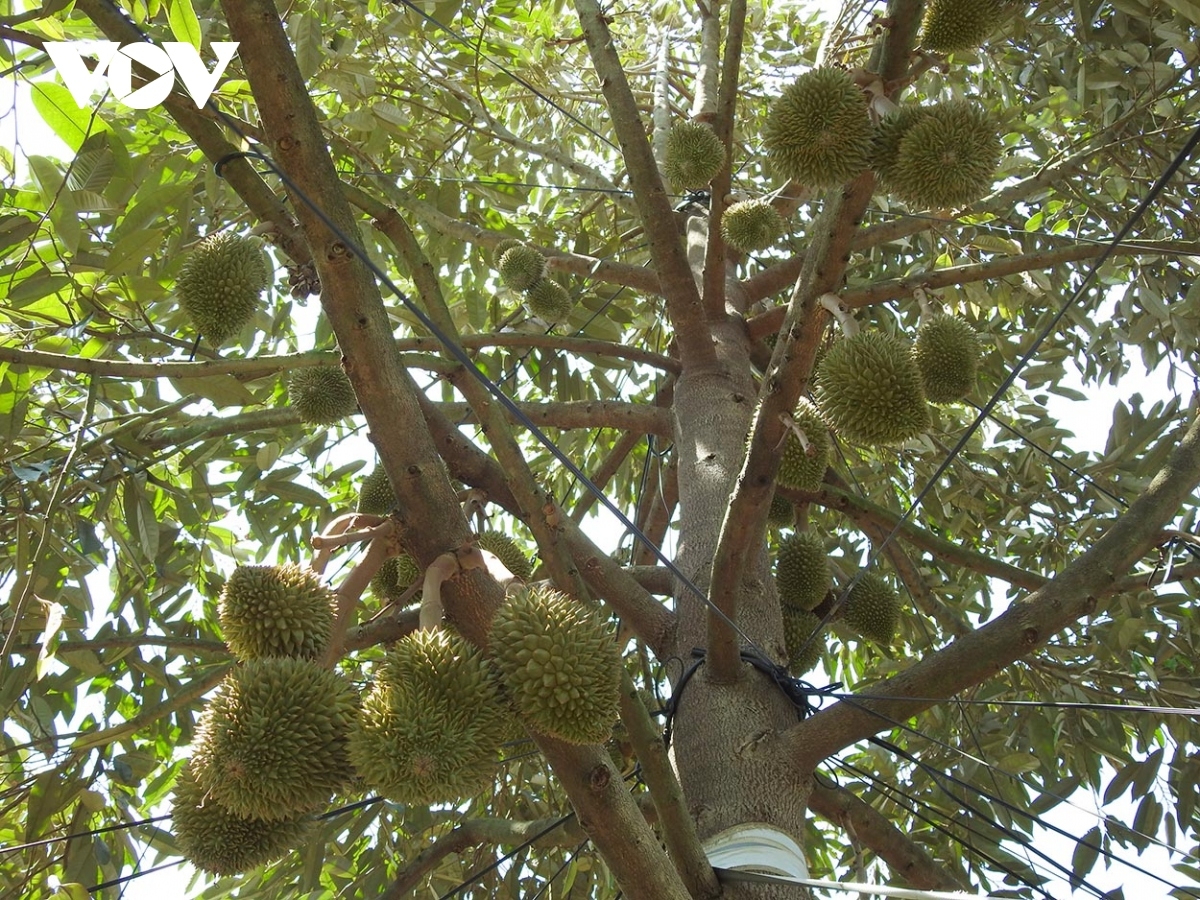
947, 352
802, 573
751, 225
276, 611
395, 577
947, 158
376, 496
321, 394
873, 609
503, 247
508, 551
549, 301
222, 843
818, 130
432, 724
868, 388
271, 743
694, 155
885, 144
798, 626
782, 513
802, 467
951, 25
521, 267
220, 283
560, 665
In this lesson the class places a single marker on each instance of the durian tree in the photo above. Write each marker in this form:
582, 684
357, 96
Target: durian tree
251, 447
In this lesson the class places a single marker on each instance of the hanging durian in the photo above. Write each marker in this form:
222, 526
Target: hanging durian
751, 225
885, 145
804, 650
271, 744
222, 843
508, 551
321, 394
276, 611
818, 130
503, 247
549, 301
521, 267
951, 25
559, 663
220, 283
782, 513
803, 462
376, 496
802, 573
395, 577
432, 724
873, 609
947, 352
947, 158
694, 155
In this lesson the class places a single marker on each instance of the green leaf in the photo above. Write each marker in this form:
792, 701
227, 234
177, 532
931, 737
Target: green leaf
1087, 850
72, 124
184, 24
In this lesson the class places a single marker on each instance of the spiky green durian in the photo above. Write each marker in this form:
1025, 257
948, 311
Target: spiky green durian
559, 663
818, 130
751, 225
950, 25
321, 394
508, 551
503, 247
276, 611
947, 353
432, 724
549, 301
376, 496
868, 388
220, 283
798, 627
873, 609
782, 513
885, 143
948, 158
802, 573
219, 842
802, 467
394, 577
271, 743
521, 267
694, 155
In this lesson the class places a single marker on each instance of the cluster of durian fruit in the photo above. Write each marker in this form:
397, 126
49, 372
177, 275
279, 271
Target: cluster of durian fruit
804, 580
283, 733
523, 268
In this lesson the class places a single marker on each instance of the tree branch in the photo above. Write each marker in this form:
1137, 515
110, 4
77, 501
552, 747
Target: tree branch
1027, 624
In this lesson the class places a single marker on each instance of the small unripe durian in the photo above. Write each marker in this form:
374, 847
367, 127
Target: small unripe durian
947, 353
321, 394
508, 551
560, 665
802, 573
549, 301
818, 130
751, 225
432, 724
271, 743
521, 267
694, 155
885, 145
873, 609
376, 497
394, 577
802, 467
219, 842
950, 25
220, 283
948, 158
798, 627
503, 247
276, 611
782, 513
869, 389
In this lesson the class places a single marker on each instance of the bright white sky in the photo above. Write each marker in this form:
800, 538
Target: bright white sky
1089, 420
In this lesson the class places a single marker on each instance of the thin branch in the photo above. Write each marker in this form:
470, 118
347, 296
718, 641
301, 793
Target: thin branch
636, 418
1026, 625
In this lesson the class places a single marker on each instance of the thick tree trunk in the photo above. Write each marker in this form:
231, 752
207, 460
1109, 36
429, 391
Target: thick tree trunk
724, 733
